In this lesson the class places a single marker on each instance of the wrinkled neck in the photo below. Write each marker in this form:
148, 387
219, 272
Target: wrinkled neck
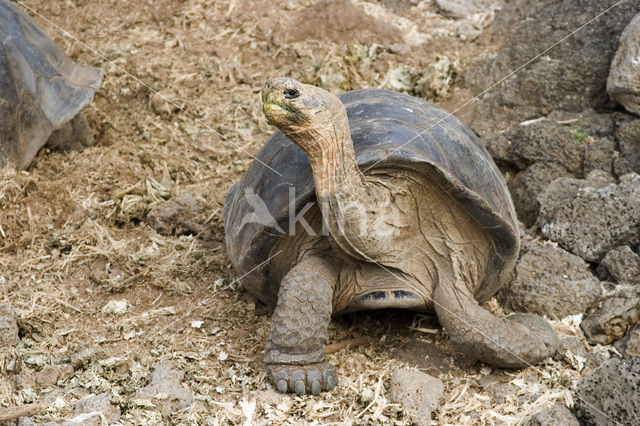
330, 151
335, 170
340, 186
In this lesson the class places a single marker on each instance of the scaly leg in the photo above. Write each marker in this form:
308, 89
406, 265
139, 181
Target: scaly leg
295, 357
517, 341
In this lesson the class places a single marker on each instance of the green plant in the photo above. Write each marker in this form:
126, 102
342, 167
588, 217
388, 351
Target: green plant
579, 134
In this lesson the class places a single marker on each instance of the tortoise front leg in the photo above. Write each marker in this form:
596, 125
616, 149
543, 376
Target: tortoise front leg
295, 358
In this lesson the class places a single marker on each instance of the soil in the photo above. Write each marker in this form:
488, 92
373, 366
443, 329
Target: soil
179, 112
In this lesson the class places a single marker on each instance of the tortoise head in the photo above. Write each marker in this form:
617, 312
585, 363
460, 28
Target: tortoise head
306, 114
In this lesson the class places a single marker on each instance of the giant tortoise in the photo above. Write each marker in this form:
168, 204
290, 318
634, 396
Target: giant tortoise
42, 91
370, 200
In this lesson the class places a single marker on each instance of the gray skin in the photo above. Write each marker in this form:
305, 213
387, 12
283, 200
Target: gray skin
42, 92
430, 229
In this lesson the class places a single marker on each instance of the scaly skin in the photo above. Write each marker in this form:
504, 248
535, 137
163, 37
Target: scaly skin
520, 340
295, 358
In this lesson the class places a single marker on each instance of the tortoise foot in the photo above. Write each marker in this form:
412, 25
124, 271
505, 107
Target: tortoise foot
303, 379
541, 328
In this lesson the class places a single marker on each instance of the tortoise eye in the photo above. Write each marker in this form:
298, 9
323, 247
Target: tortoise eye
291, 94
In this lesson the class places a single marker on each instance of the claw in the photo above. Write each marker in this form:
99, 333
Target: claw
314, 382
295, 376
329, 378
303, 379
316, 387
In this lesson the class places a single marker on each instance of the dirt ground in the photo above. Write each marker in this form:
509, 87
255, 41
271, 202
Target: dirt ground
179, 112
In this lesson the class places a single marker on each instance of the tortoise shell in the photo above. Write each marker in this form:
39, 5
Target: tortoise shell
41, 89
388, 129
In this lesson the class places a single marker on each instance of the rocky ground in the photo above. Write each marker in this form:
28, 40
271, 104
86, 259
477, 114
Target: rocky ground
117, 301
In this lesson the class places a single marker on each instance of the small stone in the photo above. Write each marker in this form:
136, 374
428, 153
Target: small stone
550, 281
8, 326
175, 217
623, 84
48, 376
417, 392
610, 395
574, 345
167, 379
556, 415
613, 316
117, 307
100, 403
620, 264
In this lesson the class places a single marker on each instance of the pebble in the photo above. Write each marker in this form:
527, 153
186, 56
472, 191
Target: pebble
8, 326
418, 393
117, 307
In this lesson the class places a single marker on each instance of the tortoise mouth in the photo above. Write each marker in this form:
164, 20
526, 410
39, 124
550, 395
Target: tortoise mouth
277, 114
272, 107
281, 115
